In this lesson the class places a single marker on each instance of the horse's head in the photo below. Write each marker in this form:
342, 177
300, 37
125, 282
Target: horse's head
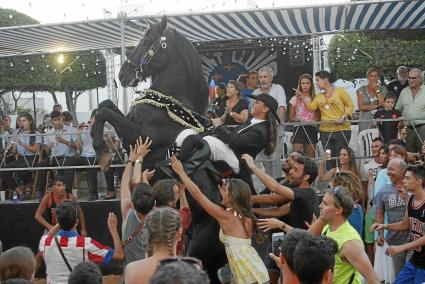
149, 55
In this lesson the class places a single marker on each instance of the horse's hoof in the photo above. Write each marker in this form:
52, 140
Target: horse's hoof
105, 162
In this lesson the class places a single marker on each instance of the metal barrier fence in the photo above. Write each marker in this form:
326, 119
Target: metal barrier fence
10, 137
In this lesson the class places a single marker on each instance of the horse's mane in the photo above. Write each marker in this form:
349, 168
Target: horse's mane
187, 52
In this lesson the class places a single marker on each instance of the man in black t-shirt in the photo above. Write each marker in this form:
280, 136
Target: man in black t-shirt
388, 129
398, 84
298, 202
414, 219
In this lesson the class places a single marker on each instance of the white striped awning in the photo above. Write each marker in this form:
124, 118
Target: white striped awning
219, 26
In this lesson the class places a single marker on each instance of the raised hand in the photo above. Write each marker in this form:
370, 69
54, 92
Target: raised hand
143, 147
112, 221
177, 166
133, 153
147, 175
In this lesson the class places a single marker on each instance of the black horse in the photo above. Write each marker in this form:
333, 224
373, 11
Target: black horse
174, 65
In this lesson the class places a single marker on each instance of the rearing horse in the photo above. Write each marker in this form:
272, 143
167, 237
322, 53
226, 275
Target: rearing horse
174, 65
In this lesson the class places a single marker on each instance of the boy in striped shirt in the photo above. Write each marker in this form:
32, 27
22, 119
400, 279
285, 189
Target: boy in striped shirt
75, 248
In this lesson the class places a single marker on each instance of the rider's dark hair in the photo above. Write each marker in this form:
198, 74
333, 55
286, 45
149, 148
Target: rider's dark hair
272, 129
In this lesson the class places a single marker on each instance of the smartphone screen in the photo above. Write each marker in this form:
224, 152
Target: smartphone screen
276, 241
329, 153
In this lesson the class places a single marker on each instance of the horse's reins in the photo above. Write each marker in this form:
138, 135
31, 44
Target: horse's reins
147, 57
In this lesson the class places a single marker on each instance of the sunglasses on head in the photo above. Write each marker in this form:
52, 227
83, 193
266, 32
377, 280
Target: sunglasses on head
225, 181
186, 259
336, 191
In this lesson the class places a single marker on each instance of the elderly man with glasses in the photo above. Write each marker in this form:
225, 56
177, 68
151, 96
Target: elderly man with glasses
411, 103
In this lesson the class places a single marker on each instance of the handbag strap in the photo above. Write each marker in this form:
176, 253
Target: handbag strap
133, 234
62, 254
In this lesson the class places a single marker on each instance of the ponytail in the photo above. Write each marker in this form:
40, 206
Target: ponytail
272, 129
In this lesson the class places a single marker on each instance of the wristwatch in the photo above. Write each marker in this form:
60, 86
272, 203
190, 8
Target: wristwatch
130, 161
138, 161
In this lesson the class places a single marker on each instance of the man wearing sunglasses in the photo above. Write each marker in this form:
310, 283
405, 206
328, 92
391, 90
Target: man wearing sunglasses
411, 103
351, 259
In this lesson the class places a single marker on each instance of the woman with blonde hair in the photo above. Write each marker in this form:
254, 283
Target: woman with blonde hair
353, 184
304, 135
163, 230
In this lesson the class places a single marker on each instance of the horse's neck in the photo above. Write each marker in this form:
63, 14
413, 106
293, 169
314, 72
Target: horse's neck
173, 82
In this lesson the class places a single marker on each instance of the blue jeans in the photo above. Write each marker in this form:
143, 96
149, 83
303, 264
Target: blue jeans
410, 274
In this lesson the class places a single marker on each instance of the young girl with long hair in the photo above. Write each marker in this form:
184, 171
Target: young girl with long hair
163, 230
237, 224
27, 149
346, 163
304, 135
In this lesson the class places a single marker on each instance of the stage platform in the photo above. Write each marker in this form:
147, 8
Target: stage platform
18, 226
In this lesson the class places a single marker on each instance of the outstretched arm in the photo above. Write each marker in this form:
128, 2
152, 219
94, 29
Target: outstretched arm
268, 181
217, 212
273, 212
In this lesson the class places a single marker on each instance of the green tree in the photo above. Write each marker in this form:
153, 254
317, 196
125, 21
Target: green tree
82, 71
9, 17
351, 54
79, 71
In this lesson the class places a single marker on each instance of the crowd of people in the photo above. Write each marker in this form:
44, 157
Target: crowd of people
61, 145
367, 226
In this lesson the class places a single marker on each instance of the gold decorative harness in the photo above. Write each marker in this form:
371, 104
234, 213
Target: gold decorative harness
175, 110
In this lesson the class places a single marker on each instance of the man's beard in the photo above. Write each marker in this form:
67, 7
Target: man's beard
296, 181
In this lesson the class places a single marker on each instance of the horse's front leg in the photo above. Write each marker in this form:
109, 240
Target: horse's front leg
124, 128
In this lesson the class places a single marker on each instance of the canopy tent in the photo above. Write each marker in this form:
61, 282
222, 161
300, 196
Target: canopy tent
216, 26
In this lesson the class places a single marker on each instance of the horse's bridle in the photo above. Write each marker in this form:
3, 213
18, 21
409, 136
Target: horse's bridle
147, 57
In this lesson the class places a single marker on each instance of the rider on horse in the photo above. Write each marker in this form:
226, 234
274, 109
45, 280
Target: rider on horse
228, 145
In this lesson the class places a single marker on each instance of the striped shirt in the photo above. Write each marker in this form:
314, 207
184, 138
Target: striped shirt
76, 249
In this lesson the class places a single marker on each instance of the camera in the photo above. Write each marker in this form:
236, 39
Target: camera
276, 241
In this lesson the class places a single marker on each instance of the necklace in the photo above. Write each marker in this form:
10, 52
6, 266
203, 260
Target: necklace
234, 212
328, 103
